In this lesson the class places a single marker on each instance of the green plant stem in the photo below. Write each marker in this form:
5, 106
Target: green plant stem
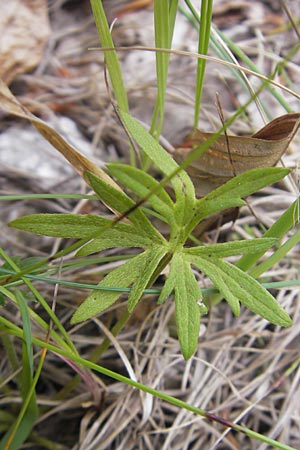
153, 291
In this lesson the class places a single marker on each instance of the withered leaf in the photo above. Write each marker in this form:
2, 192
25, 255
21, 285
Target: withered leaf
233, 155
9, 104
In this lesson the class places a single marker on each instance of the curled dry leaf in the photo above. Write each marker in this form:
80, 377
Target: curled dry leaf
25, 28
9, 104
122, 7
232, 155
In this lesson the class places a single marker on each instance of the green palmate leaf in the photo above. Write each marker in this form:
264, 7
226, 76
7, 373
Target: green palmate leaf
120, 202
230, 194
188, 301
142, 184
68, 225
151, 260
234, 284
232, 248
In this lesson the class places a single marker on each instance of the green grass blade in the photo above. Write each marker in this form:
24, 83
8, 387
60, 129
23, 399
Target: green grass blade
28, 350
238, 52
161, 29
164, 21
287, 221
277, 256
67, 342
19, 432
55, 196
203, 43
111, 58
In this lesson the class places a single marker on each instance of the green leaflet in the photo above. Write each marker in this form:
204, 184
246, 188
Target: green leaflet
235, 285
230, 194
232, 248
98, 301
114, 238
121, 277
163, 161
187, 298
119, 201
181, 182
209, 266
151, 260
142, 184
68, 225
249, 182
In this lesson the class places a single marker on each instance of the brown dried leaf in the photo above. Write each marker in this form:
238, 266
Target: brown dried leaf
9, 104
233, 155
24, 27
